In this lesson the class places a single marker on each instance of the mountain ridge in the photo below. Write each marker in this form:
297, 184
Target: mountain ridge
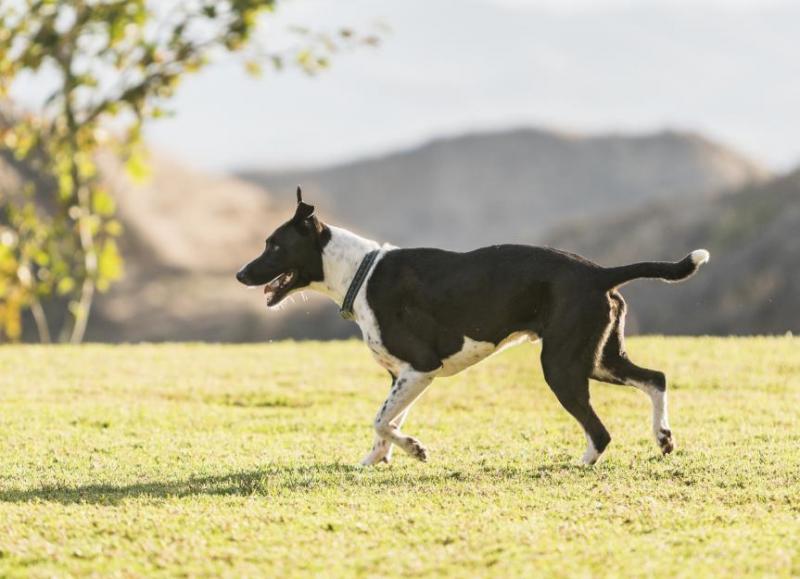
496, 187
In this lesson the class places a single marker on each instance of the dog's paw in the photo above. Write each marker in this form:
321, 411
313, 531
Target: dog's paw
378, 454
665, 440
415, 449
590, 457
371, 460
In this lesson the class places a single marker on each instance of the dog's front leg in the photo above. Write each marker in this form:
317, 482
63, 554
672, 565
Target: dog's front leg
381, 448
405, 391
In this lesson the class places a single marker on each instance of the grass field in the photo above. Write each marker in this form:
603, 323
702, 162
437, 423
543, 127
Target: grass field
205, 460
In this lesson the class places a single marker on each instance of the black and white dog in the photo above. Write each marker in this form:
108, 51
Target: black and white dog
426, 313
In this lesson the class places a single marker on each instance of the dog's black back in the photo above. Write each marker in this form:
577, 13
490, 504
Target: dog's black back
428, 300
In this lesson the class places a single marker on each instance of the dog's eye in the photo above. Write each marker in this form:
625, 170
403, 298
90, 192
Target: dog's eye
274, 247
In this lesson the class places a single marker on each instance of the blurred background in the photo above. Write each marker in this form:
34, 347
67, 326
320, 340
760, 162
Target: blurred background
621, 130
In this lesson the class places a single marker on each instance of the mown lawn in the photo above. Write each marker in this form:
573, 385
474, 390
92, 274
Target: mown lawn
206, 460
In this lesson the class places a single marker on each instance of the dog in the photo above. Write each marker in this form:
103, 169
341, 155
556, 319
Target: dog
426, 313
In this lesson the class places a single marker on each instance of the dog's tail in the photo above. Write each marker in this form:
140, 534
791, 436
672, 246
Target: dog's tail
664, 270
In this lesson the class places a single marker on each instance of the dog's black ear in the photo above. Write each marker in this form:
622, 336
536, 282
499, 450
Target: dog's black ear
304, 210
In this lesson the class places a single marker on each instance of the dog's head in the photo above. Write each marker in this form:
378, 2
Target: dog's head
292, 258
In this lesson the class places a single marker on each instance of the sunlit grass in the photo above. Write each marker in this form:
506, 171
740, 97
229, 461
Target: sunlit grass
238, 461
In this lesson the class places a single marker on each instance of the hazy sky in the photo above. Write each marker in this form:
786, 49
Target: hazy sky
727, 68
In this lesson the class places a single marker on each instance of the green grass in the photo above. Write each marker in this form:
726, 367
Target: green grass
205, 460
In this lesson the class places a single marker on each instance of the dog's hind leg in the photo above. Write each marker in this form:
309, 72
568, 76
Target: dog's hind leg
569, 353
615, 367
620, 370
405, 391
572, 391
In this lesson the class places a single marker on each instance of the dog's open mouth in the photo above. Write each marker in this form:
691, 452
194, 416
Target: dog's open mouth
279, 287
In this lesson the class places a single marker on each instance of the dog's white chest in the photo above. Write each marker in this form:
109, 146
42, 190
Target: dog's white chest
372, 337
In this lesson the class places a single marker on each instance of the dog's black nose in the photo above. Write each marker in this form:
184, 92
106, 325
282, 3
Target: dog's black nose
241, 276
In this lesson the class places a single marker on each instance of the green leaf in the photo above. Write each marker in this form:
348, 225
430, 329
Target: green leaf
113, 228
65, 286
109, 265
253, 68
103, 203
137, 165
65, 186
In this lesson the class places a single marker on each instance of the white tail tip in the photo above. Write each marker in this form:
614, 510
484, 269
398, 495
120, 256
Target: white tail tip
700, 256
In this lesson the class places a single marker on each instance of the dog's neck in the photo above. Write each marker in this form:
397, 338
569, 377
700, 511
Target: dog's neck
341, 257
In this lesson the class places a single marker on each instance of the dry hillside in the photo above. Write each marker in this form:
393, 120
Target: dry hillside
750, 286
187, 233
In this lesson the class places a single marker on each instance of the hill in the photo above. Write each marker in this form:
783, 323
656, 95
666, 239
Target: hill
486, 188
187, 233
751, 285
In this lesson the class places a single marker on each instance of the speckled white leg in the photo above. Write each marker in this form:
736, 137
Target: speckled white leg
405, 391
381, 448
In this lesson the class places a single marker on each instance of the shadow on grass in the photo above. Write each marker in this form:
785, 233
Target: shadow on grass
276, 479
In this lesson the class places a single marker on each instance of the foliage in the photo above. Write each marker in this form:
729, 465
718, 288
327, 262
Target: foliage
116, 64
237, 461
36, 261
